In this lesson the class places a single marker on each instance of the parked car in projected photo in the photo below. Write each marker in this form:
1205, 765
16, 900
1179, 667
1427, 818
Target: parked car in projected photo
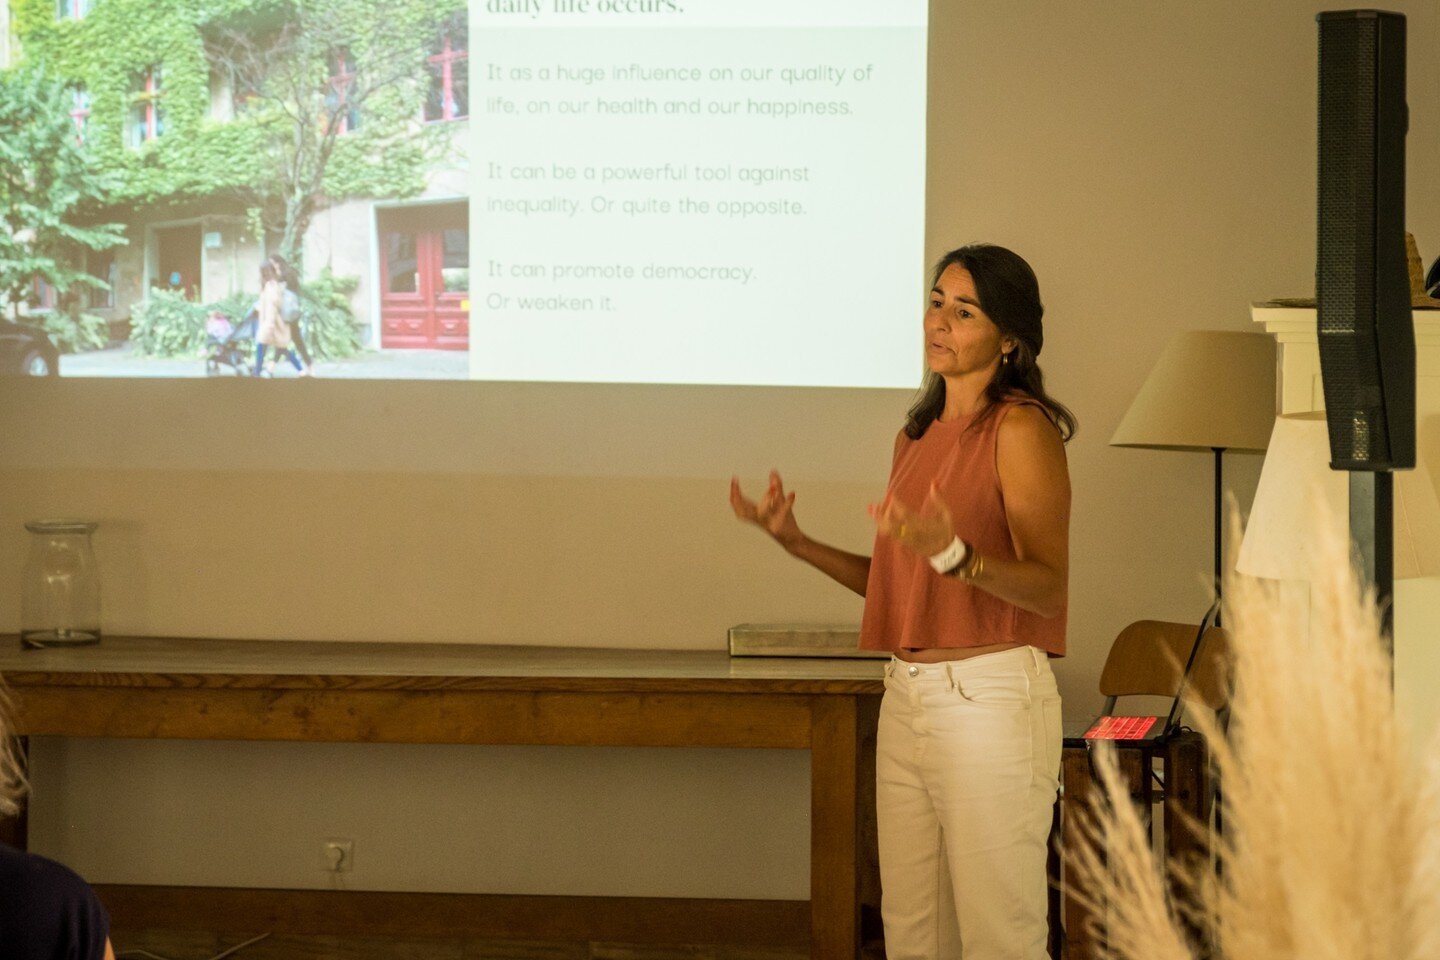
26, 351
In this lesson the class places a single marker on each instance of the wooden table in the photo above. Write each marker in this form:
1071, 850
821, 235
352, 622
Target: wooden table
459, 694
424, 693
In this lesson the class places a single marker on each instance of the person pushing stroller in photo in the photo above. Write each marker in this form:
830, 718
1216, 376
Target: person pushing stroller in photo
227, 343
291, 310
275, 324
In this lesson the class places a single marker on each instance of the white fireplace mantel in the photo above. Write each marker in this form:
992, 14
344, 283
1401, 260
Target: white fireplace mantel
1417, 602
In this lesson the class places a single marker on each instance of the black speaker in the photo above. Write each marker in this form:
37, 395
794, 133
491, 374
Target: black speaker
1367, 338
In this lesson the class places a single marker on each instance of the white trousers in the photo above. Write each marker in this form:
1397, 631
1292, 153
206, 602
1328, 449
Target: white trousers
967, 766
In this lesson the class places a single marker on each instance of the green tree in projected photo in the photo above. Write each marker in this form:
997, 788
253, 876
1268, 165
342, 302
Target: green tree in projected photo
330, 91
48, 189
224, 128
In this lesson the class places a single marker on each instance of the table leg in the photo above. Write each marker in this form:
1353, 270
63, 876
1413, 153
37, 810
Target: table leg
1136, 767
1187, 801
15, 831
1083, 930
1188, 798
834, 829
872, 927
1054, 876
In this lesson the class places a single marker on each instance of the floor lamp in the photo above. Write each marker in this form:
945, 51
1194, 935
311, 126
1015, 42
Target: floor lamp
1210, 390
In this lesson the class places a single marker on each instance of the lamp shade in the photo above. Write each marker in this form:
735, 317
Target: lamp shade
1298, 490
1209, 389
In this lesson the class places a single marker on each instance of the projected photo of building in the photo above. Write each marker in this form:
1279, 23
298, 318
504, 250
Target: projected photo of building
197, 139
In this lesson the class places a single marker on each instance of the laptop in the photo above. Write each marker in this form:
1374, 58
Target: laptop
1143, 731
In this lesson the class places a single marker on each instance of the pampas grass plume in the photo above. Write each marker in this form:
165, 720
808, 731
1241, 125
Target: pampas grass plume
1331, 843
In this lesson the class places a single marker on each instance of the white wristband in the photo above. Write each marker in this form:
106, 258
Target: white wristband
951, 557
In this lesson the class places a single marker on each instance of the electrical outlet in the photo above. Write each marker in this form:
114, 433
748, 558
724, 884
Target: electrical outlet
337, 855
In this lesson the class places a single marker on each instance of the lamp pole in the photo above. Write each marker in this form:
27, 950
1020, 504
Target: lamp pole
1219, 487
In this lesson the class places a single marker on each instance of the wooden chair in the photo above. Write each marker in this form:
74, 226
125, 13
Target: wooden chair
1148, 658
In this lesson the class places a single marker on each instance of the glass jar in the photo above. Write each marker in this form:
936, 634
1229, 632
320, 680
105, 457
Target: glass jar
60, 592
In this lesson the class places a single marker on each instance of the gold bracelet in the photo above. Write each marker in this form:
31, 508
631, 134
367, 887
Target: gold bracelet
977, 567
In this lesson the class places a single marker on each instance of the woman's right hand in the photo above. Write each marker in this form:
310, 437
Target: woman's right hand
774, 513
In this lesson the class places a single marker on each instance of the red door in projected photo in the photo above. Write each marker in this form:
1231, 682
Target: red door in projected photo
425, 277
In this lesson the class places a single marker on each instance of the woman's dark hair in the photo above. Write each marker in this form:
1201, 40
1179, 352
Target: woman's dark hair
268, 272
287, 272
1010, 296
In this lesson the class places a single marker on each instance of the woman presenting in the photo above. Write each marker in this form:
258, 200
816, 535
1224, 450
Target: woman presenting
966, 588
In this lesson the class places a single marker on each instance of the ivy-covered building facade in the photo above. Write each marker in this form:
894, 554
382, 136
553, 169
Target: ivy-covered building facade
332, 132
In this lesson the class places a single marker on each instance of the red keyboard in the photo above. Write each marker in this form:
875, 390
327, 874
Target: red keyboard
1120, 728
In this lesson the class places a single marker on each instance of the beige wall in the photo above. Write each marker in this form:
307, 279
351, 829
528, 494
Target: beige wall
342, 238
1155, 161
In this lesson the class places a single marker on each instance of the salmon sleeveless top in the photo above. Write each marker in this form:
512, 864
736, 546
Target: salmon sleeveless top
907, 604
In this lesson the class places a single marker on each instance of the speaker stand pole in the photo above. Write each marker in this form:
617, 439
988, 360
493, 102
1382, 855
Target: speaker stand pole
1372, 531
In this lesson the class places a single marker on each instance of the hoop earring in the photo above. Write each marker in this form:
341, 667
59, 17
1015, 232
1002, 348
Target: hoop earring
1004, 359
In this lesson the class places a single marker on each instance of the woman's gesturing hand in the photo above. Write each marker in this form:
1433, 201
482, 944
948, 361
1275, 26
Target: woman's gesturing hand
925, 531
773, 513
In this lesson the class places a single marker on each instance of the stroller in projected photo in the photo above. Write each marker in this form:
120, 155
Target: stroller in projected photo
229, 346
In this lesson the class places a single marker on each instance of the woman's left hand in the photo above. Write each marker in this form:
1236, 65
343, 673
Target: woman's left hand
925, 531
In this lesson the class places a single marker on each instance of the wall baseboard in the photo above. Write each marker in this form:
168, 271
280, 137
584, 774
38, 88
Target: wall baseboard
640, 920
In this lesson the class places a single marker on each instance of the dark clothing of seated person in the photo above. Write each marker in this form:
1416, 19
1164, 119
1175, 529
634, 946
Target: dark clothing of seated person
47, 912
